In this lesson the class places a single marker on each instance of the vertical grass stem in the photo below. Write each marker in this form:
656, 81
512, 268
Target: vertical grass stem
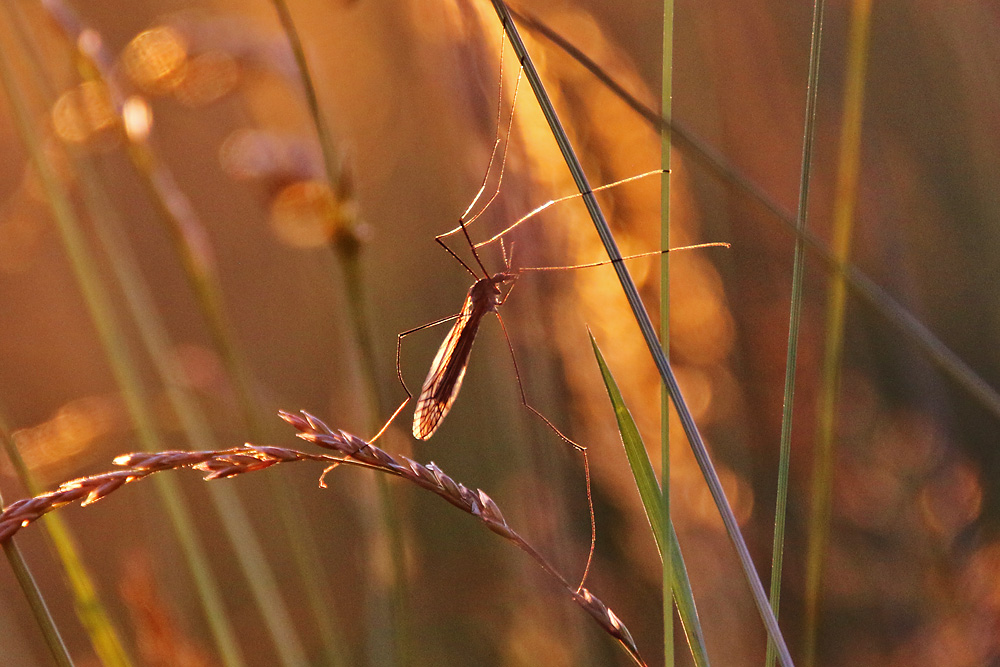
795, 314
648, 331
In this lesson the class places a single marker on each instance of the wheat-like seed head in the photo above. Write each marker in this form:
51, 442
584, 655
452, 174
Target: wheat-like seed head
349, 449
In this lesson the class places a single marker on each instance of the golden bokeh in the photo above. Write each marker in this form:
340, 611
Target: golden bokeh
85, 115
155, 59
70, 432
207, 78
138, 118
304, 214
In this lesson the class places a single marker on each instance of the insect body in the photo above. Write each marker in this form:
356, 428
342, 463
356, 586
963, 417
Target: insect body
448, 368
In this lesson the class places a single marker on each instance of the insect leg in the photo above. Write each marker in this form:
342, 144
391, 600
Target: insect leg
605, 262
578, 447
552, 202
464, 219
399, 370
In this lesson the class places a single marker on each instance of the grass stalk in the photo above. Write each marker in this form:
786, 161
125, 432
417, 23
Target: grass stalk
187, 234
60, 654
666, 106
651, 496
120, 359
346, 246
648, 332
104, 636
190, 242
858, 283
235, 521
348, 450
152, 331
40, 611
794, 316
848, 168
101, 630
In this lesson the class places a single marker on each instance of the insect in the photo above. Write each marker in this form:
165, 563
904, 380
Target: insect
447, 371
487, 294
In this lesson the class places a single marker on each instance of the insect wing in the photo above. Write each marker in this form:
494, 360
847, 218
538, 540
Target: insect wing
447, 372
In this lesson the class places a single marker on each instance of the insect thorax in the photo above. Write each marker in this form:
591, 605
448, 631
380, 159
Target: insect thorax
487, 290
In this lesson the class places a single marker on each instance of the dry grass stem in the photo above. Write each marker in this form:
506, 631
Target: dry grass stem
349, 449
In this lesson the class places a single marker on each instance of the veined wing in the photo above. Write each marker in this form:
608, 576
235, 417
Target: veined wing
448, 370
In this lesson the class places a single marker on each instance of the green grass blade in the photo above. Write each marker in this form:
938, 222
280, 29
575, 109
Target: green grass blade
648, 333
666, 106
101, 630
652, 502
794, 317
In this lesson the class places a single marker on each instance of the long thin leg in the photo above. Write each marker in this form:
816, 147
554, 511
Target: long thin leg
496, 143
399, 369
578, 447
590, 265
503, 156
462, 221
552, 202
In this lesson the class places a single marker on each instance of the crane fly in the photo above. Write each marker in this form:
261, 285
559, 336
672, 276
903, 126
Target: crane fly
447, 370
444, 379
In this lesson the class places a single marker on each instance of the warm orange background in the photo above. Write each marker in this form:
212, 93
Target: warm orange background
410, 92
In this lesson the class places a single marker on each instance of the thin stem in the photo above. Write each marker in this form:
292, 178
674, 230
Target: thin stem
104, 635
122, 365
666, 111
60, 654
794, 317
648, 332
848, 168
347, 248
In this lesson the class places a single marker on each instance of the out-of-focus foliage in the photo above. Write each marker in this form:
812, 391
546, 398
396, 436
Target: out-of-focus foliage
410, 91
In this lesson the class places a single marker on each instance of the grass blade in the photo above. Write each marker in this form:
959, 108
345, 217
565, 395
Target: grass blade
666, 108
648, 333
652, 502
843, 222
60, 654
794, 317
93, 615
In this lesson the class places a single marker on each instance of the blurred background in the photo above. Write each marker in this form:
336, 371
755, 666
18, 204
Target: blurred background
238, 282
